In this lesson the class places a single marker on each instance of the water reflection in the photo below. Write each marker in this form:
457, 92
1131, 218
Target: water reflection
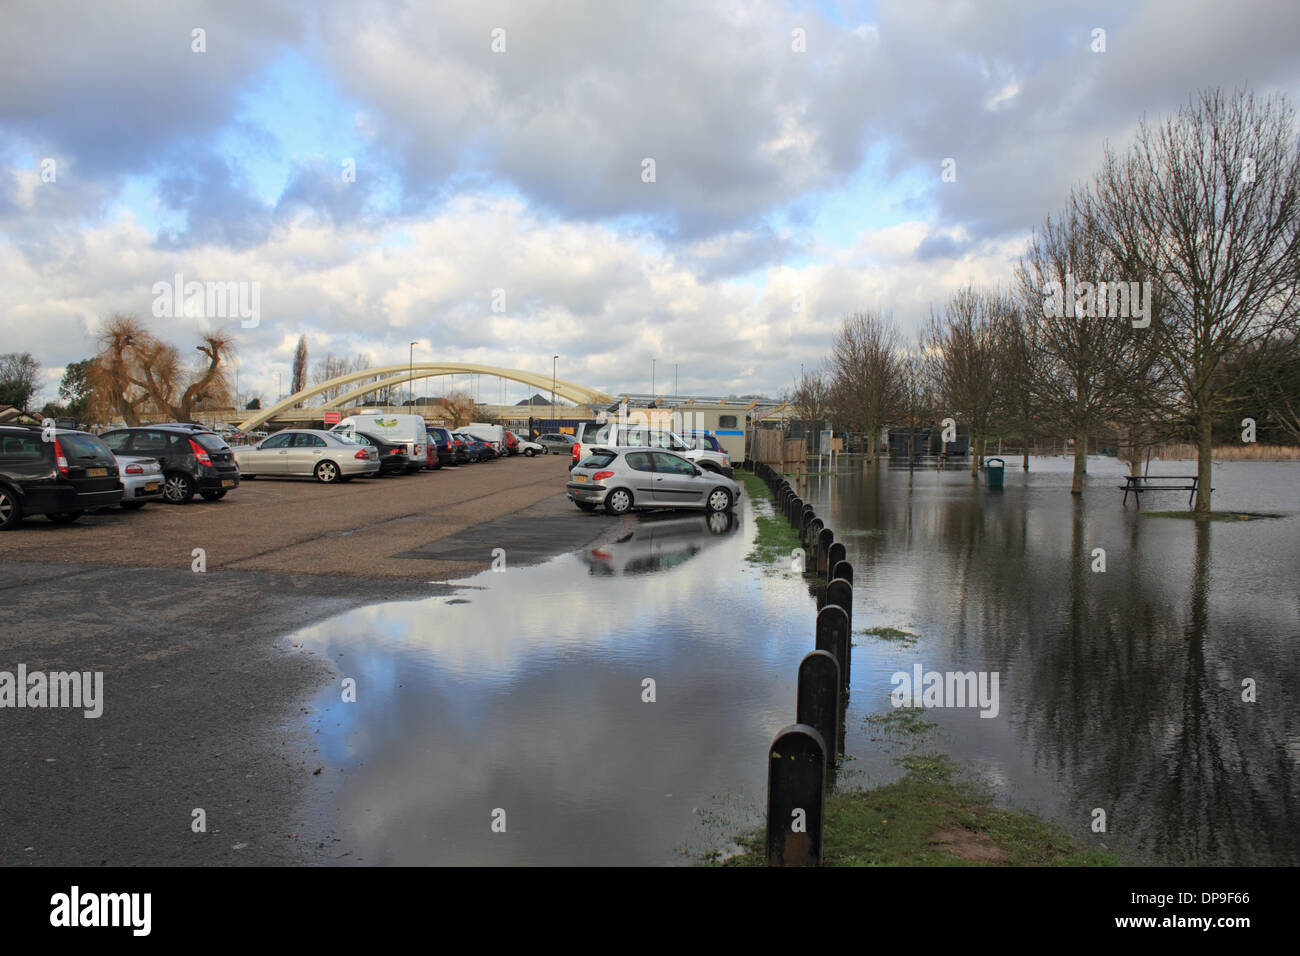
530, 698
1121, 689
659, 541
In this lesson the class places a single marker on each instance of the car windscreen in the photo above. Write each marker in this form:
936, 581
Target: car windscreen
598, 459
83, 446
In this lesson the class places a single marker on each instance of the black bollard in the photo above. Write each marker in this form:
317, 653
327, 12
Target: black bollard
834, 556
839, 591
796, 792
833, 636
842, 570
819, 698
824, 541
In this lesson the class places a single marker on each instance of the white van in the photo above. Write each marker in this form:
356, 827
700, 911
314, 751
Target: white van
493, 434
408, 430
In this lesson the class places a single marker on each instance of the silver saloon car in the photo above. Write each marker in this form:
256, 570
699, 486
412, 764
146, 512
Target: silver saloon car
308, 453
142, 480
621, 479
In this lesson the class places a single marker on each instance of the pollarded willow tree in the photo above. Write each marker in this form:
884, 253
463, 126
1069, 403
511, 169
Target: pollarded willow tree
1208, 202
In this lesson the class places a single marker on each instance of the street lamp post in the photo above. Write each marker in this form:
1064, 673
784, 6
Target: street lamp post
410, 371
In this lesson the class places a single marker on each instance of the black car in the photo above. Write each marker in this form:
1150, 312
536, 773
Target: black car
192, 461
445, 445
393, 458
61, 474
476, 448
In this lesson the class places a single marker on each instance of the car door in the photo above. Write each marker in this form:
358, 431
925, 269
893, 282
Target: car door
269, 457
675, 482
304, 453
642, 477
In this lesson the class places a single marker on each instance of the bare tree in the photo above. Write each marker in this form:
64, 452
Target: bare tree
864, 375
1209, 202
1076, 341
811, 397
331, 367
1017, 371
915, 404
961, 346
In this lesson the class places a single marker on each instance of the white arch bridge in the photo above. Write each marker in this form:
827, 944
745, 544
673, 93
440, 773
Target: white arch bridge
390, 375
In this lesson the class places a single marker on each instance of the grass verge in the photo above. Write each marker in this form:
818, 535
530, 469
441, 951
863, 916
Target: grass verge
775, 539
930, 817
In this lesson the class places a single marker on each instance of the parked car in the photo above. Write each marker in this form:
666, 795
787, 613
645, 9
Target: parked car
307, 453
522, 446
556, 443
494, 435
476, 448
393, 459
410, 429
142, 481
61, 478
620, 435
623, 479
193, 461
444, 444
703, 440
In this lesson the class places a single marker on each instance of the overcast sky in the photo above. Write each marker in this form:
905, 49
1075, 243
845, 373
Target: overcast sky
798, 152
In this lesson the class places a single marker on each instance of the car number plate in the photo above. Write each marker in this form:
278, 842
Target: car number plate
151, 486
228, 483
579, 477
96, 472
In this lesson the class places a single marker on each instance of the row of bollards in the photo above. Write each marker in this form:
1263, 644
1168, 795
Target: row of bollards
801, 760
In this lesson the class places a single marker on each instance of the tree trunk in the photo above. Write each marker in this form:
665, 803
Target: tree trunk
974, 457
1080, 463
1204, 462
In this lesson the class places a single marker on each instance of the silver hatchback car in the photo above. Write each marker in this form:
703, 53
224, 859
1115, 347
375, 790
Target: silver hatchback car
625, 478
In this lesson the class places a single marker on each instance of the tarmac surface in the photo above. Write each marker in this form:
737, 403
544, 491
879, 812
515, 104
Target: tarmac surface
204, 697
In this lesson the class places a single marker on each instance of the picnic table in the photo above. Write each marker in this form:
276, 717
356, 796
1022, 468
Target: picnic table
1138, 484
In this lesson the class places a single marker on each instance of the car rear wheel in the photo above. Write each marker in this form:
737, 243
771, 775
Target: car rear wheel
529, 453
618, 501
65, 517
719, 500
213, 495
178, 488
11, 511
327, 472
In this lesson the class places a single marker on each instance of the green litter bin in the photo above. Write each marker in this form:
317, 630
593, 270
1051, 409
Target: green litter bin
993, 470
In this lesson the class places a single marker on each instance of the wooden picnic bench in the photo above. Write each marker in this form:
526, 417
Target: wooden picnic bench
1137, 484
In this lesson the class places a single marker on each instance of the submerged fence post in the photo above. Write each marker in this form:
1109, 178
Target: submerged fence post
811, 532
818, 702
796, 793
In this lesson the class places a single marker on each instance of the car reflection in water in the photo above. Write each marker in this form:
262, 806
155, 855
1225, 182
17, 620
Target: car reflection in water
659, 541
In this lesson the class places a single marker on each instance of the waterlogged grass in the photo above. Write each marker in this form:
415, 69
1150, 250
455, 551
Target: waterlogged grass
1212, 516
775, 538
931, 817
892, 634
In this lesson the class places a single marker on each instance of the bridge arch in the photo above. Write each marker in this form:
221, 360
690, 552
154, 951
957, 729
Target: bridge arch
400, 374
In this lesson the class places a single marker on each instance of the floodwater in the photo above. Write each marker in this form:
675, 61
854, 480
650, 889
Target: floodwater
525, 694
522, 700
1120, 690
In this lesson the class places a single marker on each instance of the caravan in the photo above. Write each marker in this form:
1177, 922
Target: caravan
408, 430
